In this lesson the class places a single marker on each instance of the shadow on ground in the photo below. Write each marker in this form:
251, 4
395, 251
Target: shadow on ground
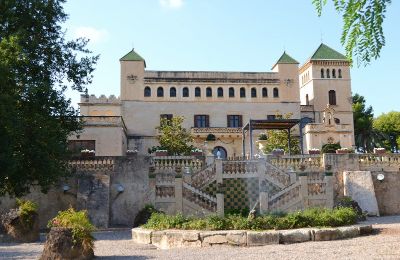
118, 257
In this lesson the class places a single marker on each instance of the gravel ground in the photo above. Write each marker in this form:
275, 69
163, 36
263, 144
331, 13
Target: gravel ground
117, 244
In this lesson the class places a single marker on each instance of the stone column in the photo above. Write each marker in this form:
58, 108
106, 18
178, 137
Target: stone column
210, 159
329, 190
220, 187
178, 195
263, 202
304, 190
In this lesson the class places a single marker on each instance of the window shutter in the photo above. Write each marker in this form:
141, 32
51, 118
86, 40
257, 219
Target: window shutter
207, 121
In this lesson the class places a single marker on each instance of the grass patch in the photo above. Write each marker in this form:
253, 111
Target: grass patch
314, 217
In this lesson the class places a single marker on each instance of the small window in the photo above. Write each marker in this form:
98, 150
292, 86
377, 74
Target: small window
276, 92
328, 75
220, 92
337, 120
332, 97
185, 92
322, 73
242, 92
333, 73
209, 92
265, 92
172, 92
197, 92
167, 117
307, 100
147, 92
271, 117
231, 92
160, 92
234, 121
340, 73
253, 92
201, 121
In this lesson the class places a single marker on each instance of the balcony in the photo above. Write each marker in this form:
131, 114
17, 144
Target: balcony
204, 131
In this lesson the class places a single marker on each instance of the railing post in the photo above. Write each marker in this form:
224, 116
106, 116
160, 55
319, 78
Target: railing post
329, 190
304, 190
263, 201
220, 187
178, 195
263, 193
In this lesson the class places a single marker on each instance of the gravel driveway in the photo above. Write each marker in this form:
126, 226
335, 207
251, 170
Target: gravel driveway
117, 244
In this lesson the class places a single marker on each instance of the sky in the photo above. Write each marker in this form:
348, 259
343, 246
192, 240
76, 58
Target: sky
224, 35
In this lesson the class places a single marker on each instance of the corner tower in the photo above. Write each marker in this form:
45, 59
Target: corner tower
132, 75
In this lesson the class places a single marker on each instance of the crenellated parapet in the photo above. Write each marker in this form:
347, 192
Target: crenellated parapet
102, 99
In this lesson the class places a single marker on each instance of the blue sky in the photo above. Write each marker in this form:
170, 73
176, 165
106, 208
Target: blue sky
224, 35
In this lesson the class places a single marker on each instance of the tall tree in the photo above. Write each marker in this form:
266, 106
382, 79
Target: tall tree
366, 137
362, 33
37, 65
390, 125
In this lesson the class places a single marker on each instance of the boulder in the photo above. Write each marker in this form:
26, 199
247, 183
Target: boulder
141, 236
59, 245
295, 236
326, 234
262, 238
237, 238
16, 230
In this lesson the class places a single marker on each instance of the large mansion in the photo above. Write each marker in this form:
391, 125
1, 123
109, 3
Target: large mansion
218, 104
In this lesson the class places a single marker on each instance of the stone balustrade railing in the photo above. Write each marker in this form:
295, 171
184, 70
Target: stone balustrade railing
165, 191
280, 176
198, 197
204, 177
298, 162
176, 163
92, 164
239, 167
378, 160
288, 196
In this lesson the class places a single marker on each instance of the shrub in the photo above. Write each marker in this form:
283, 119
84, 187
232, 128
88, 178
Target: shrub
242, 212
144, 214
78, 222
348, 202
27, 209
330, 148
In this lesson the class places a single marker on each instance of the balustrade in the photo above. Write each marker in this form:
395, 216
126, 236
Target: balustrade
97, 163
204, 177
239, 167
298, 162
176, 163
380, 160
200, 198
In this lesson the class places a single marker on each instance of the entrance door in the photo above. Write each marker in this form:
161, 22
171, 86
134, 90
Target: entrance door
222, 150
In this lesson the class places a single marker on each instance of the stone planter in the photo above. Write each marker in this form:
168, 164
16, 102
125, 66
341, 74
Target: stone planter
379, 151
314, 152
342, 151
59, 245
161, 153
87, 155
196, 153
17, 231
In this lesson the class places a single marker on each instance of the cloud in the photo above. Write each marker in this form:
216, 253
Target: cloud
93, 34
175, 4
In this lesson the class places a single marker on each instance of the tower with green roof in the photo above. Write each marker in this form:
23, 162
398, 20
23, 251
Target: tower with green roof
325, 80
132, 75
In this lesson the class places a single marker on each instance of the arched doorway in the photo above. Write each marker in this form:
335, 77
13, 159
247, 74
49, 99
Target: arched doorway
222, 150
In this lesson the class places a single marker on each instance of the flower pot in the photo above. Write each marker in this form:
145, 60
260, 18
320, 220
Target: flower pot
161, 153
379, 151
342, 151
314, 152
87, 155
196, 153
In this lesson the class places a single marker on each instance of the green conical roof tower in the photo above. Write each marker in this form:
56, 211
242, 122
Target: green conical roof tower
132, 56
286, 59
325, 52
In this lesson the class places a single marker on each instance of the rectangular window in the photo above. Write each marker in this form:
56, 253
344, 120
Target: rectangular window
76, 146
234, 121
271, 117
201, 121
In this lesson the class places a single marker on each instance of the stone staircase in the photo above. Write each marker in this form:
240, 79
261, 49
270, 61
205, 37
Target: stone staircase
198, 200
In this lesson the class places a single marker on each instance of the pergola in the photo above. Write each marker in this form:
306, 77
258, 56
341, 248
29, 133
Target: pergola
267, 124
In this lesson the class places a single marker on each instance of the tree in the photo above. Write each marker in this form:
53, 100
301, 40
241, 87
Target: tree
173, 137
37, 65
362, 33
389, 124
366, 137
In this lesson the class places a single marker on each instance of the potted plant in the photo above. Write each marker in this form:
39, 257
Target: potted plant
161, 153
87, 153
343, 150
379, 150
278, 152
196, 152
314, 151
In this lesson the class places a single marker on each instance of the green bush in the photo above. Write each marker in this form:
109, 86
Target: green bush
78, 222
330, 148
144, 214
314, 217
27, 209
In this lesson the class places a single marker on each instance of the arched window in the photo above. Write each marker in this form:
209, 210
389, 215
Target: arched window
242, 92
197, 92
185, 92
147, 92
253, 92
231, 92
333, 73
307, 100
332, 97
340, 73
172, 92
220, 92
327, 73
337, 120
322, 73
276, 92
160, 92
265, 92
208, 92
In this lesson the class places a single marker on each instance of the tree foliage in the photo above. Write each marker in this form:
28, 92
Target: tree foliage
37, 64
174, 137
362, 33
389, 124
366, 136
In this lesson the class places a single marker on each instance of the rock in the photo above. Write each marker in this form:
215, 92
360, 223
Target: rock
262, 238
175, 238
213, 237
365, 229
295, 236
141, 236
17, 230
326, 234
59, 245
349, 232
237, 238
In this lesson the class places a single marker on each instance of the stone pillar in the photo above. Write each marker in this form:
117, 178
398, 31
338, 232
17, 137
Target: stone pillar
220, 187
210, 159
263, 202
304, 190
329, 190
178, 195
